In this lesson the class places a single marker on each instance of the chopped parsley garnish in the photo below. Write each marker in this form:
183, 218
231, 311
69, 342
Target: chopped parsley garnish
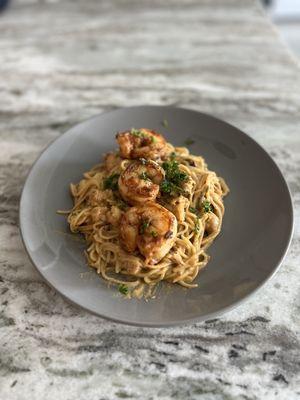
111, 182
206, 206
197, 223
144, 176
137, 133
174, 178
189, 142
144, 225
142, 135
154, 234
170, 188
172, 156
166, 187
193, 210
165, 123
173, 172
123, 289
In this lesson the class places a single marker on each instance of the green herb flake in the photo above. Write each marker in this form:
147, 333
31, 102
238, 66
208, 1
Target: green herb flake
197, 226
173, 172
137, 133
153, 139
193, 210
144, 176
167, 187
171, 185
154, 234
111, 182
165, 123
189, 142
206, 206
172, 156
144, 225
123, 289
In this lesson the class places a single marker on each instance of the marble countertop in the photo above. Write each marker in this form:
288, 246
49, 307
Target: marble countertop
63, 61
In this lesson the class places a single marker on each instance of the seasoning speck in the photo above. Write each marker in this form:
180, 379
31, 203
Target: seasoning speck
165, 123
123, 289
169, 234
189, 142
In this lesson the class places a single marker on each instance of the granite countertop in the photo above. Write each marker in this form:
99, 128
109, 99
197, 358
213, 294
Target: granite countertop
63, 61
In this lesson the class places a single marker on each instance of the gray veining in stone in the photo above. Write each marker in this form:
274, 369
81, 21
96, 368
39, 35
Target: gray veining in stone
63, 61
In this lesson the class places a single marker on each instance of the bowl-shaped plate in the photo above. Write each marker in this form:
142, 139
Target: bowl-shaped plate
255, 236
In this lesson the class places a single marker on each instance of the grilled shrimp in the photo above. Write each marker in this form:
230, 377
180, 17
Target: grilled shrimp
140, 181
151, 229
142, 143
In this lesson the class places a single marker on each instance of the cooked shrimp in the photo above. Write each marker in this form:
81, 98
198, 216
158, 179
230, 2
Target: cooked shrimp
142, 143
151, 229
140, 181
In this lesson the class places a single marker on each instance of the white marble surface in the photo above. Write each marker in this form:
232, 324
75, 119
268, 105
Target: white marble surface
63, 61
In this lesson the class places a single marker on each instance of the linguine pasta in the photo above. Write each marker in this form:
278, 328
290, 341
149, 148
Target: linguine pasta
197, 205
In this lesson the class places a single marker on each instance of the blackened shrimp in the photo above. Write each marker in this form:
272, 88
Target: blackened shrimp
142, 143
151, 229
140, 181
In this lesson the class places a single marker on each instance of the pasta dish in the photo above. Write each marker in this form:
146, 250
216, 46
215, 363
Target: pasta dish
148, 213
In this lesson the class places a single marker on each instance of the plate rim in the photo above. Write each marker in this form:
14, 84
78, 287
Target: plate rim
181, 322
